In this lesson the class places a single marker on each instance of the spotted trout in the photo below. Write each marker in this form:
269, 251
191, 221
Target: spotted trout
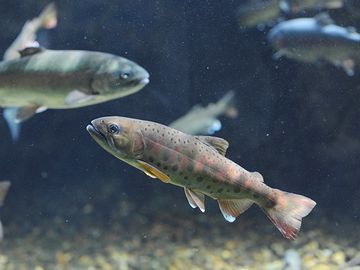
62, 79
198, 164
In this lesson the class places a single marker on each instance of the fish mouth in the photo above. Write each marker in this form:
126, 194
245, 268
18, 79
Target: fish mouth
96, 134
145, 81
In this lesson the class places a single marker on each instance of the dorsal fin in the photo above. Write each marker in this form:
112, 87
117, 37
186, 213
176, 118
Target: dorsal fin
31, 51
219, 144
324, 19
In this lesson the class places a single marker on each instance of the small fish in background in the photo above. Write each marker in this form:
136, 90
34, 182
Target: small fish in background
316, 39
62, 79
198, 164
4, 187
258, 13
27, 37
292, 260
204, 120
295, 6
353, 264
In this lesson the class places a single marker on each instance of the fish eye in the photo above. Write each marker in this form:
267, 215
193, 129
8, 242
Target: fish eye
113, 128
124, 75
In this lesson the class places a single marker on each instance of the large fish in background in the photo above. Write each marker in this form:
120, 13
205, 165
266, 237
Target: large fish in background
34, 79
317, 39
4, 187
204, 120
48, 79
198, 164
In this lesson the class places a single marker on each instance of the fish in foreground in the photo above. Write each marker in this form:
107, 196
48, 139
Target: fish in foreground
27, 37
204, 120
61, 79
4, 187
198, 164
316, 39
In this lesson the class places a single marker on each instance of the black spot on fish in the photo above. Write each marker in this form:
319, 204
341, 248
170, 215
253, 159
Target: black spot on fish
145, 129
175, 168
199, 179
158, 131
237, 190
269, 204
220, 190
189, 168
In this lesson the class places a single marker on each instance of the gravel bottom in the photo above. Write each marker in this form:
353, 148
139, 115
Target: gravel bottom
187, 241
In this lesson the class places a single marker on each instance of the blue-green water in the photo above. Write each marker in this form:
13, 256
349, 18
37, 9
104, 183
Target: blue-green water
71, 205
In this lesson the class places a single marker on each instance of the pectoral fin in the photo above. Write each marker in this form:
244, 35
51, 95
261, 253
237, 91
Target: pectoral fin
153, 172
195, 199
77, 97
231, 209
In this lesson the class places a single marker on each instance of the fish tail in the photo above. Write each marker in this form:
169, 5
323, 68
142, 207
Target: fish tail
48, 17
288, 211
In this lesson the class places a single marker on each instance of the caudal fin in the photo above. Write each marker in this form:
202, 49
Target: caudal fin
288, 212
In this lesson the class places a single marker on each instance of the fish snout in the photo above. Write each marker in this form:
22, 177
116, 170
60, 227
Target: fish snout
142, 76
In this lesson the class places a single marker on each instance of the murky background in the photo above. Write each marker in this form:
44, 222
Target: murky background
73, 206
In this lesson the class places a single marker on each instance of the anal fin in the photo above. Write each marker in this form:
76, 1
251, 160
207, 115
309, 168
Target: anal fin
195, 199
231, 209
